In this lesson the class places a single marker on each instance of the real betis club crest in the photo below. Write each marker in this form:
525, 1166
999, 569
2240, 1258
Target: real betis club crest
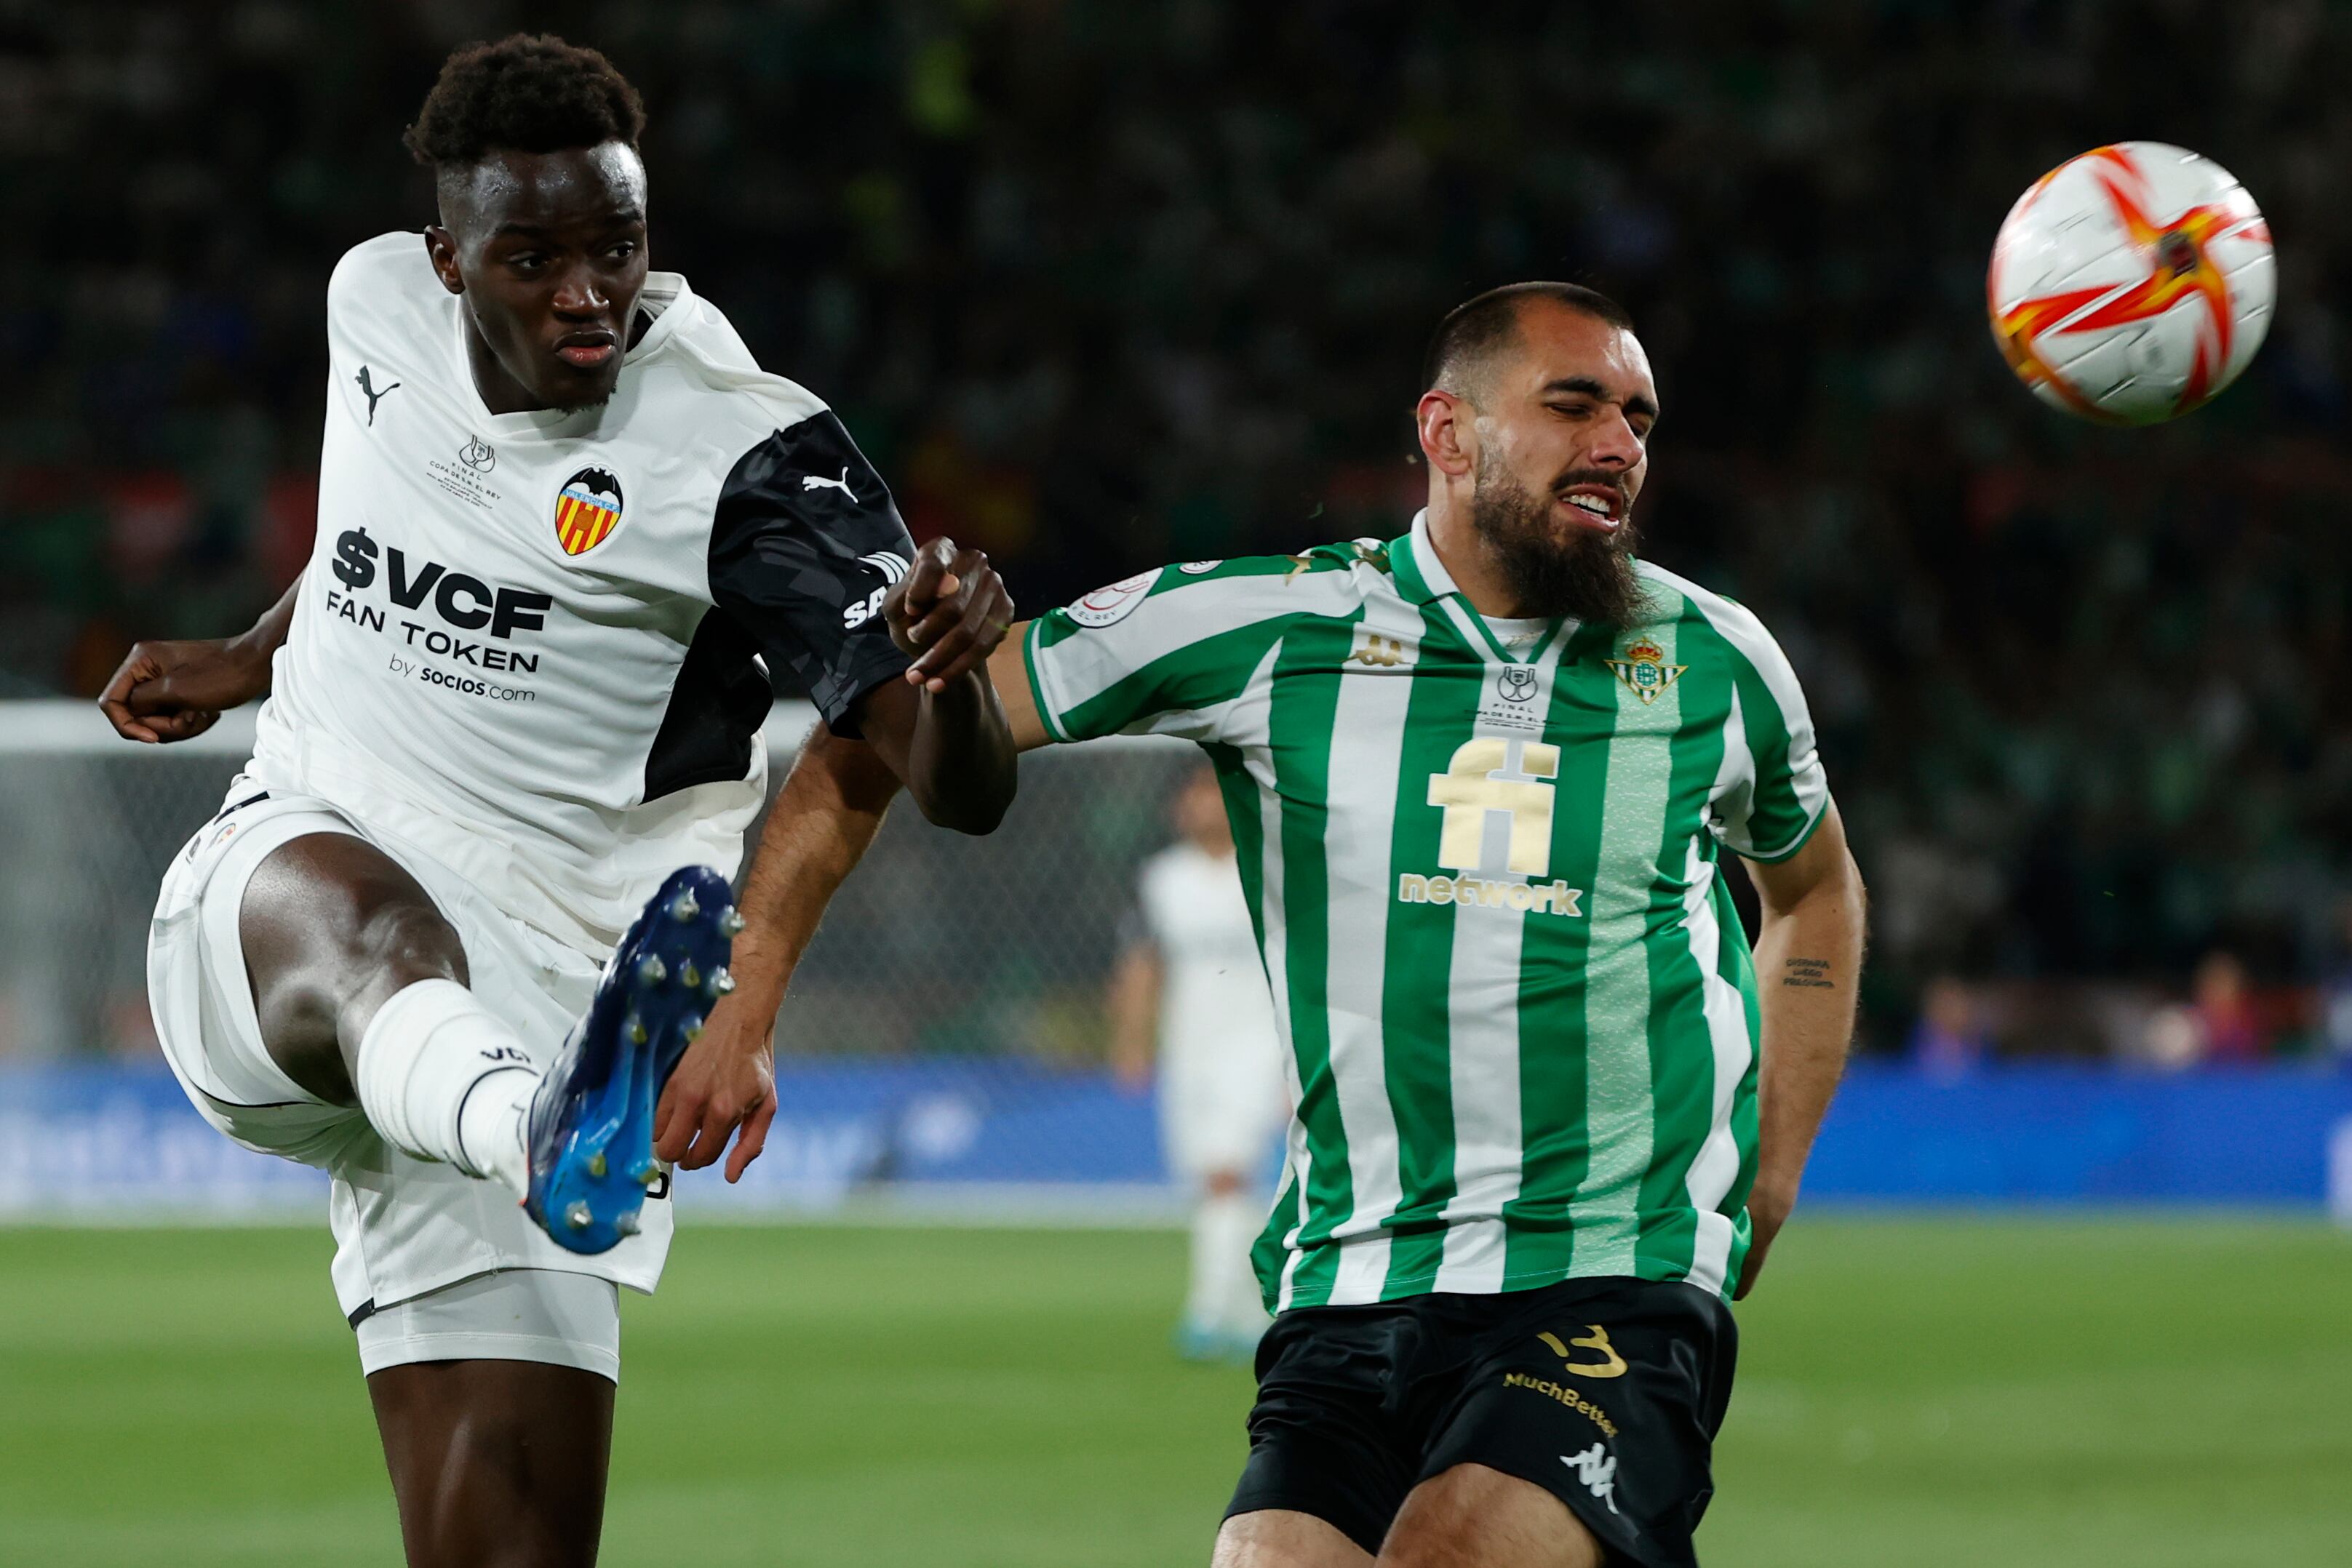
1643, 669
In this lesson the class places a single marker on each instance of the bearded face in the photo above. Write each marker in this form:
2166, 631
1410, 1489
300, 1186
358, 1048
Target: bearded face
1556, 570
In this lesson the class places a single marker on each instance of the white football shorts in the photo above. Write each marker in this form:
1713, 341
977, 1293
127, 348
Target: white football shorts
405, 1227
1221, 1108
514, 1314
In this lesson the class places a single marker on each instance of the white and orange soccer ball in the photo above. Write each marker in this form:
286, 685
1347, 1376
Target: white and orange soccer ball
2131, 284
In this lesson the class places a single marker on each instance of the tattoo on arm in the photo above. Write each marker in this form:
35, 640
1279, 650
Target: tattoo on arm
1808, 974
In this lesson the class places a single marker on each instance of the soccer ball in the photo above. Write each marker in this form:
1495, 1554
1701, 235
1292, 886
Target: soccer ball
2131, 284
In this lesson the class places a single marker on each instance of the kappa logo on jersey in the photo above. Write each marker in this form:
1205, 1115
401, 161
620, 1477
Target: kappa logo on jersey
587, 510
892, 568
1113, 602
1376, 652
1645, 670
373, 396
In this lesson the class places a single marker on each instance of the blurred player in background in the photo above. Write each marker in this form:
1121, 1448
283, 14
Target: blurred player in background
1191, 984
563, 518
1481, 777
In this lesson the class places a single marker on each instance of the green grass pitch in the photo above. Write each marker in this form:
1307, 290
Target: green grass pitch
2167, 1392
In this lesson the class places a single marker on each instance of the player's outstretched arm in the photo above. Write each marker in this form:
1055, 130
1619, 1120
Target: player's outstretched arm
943, 730
1808, 964
825, 815
165, 692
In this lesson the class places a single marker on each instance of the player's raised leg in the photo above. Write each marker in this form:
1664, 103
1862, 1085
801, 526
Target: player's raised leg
359, 986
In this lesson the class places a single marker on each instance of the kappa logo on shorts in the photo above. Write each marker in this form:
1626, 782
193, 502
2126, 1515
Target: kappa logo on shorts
1612, 1365
1597, 1468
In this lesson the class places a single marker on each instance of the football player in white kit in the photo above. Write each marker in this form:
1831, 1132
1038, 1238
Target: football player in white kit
563, 518
1192, 985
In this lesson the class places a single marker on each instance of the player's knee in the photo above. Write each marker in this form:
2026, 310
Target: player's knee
403, 941
1474, 1517
333, 912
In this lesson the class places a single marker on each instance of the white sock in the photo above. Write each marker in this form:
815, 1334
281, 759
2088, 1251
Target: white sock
443, 1078
1224, 1297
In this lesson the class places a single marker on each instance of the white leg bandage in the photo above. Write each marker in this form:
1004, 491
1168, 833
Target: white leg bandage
443, 1078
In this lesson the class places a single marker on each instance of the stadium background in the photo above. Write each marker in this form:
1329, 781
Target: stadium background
1098, 286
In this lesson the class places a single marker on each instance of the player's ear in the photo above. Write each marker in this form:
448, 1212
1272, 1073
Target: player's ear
1443, 420
442, 246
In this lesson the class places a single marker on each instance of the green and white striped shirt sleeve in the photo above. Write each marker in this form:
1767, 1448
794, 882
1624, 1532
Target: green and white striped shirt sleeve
1773, 792
1166, 652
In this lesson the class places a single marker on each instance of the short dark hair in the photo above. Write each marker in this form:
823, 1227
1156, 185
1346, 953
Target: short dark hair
1477, 326
530, 93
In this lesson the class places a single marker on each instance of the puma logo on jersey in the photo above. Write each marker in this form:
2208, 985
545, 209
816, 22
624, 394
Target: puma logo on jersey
373, 396
816, 482
892, 567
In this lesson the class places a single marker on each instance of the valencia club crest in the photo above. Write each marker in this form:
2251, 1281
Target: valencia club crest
586, 510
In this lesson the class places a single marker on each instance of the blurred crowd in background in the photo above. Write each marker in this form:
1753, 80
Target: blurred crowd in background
1100, 285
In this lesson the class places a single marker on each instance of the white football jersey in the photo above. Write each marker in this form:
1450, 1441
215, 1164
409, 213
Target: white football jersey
531, 643
1217, 1039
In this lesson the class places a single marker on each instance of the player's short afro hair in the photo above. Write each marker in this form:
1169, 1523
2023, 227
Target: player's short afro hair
532, 92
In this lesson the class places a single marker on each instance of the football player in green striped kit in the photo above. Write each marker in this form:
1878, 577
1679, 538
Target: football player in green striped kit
1551, 1109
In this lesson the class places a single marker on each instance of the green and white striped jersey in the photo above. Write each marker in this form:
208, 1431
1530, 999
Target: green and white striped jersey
1482, 859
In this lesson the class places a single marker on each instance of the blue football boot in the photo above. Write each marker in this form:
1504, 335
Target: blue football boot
592, 1120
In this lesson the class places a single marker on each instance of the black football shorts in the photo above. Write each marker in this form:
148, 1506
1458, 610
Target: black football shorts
1605, 1393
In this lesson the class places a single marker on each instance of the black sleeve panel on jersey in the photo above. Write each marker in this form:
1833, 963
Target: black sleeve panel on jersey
805, 540
715, 709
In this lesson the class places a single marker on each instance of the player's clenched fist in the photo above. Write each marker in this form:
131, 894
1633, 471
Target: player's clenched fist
948, 613
172, 691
